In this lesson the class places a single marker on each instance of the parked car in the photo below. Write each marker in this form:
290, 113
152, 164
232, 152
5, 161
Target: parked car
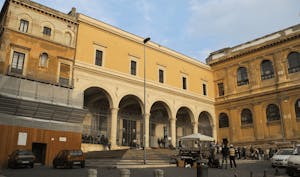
280, 158
21, 158
293, 166
69, 158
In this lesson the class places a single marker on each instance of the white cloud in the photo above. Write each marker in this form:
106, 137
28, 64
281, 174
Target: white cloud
232, 21
145, 8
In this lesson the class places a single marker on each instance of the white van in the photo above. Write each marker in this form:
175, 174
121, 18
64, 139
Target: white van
293, 164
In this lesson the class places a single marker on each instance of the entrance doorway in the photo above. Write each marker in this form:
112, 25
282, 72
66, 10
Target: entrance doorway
129, 133
39, 150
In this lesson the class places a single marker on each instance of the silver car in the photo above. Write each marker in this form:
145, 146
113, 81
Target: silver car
280, 158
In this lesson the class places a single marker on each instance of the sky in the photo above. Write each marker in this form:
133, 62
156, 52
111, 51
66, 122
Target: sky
192, 27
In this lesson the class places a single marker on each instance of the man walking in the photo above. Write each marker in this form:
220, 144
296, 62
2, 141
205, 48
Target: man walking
232, 156
225, 155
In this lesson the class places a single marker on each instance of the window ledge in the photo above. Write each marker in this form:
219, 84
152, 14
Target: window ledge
273, 122
247, 126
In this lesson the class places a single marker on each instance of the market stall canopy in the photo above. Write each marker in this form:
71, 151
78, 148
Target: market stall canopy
197, 136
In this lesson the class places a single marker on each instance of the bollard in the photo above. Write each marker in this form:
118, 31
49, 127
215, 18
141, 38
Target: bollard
251, 174
277, 172
92, 172
202, 170
125, 172
265, 173
158, 173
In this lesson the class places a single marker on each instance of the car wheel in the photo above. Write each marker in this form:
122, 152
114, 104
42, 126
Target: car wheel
66, 165
71, 165
273, 166
82, 164
32, 165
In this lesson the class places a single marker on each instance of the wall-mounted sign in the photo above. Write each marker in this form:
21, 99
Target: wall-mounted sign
22, 138
63, 139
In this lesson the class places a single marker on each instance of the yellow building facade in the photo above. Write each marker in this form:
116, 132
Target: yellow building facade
109, 72
257, 86
69, 81
38, 110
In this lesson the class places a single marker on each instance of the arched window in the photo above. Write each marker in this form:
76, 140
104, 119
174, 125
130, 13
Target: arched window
294, 62
272, 112
246, 117
297, 109
223, 120
266, 69
44, 60
242, 76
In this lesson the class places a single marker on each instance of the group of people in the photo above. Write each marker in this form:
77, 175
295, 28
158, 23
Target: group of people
161, 142
220, 154
97, 140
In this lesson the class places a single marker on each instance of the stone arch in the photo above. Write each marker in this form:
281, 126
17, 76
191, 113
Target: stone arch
205, 123
130, 121
97, 121
159, 129
184, 122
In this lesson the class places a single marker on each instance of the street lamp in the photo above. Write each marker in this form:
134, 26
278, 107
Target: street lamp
144, 139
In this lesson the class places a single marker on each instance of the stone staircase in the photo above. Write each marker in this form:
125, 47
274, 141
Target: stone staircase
130, 158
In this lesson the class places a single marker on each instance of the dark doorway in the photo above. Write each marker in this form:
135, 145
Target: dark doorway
129, 132
39, 150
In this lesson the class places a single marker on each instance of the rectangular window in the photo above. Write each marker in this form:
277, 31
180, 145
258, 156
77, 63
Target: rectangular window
17, 63
204, 89
133, 67
47, 31
23, 26
161, 75
184, 83
98, 58
64, 74
221, 89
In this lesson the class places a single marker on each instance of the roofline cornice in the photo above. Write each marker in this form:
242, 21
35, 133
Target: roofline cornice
46, 10
236, 52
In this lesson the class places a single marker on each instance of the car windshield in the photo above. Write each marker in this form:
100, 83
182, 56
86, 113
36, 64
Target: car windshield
76, 153
25, 153
285, 152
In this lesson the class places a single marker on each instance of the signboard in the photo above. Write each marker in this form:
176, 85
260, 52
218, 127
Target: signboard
22, 139
63, 139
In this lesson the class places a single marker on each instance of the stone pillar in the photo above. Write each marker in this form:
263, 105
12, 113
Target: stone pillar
173, 131
114, 125
158, 173
195, 127
146, 127
92, 172
124, 172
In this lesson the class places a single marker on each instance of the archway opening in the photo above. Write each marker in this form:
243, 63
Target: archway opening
183, 122
96, 123
159, 130
204, 125
130, 122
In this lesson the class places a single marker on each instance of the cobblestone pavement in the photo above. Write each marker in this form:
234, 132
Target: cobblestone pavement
243, 170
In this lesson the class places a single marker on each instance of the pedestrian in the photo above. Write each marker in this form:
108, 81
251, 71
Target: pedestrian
225, 152
232, 156
158, 142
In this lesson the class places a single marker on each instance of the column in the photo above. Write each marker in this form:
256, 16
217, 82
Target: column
173, 131
146, 127
195, 127
114, 125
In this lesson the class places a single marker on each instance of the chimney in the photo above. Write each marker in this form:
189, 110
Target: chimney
72, 12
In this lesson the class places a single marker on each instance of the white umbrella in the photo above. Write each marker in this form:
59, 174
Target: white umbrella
197, 136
